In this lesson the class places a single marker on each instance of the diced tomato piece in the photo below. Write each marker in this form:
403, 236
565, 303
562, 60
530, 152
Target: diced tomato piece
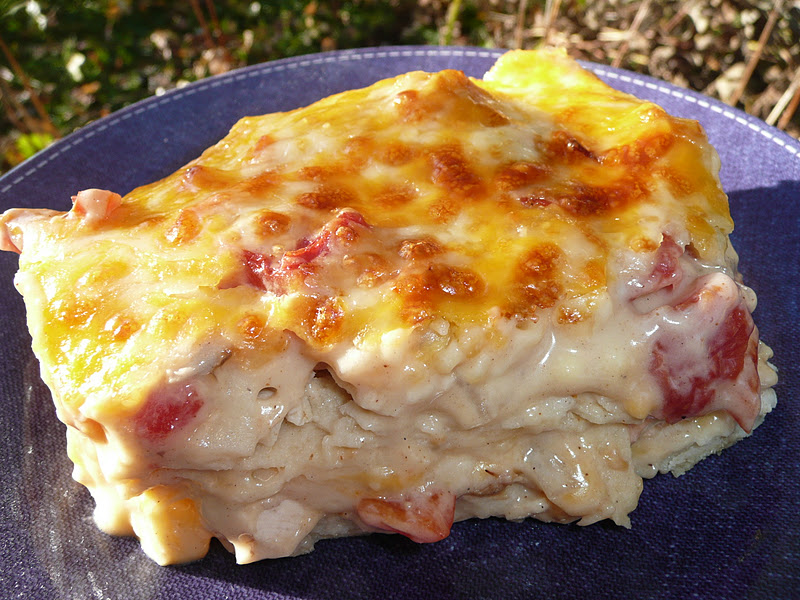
167, 409
728, 347
709, 362
422, 517
261, 272
258, 270
339, 230
666, 270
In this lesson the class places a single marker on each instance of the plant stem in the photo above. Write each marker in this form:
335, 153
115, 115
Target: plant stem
452, 15
762, 41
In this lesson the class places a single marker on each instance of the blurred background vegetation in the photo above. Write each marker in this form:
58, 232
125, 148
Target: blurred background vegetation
65, 63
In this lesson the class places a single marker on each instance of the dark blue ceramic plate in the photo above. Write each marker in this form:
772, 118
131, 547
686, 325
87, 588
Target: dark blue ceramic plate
728, 529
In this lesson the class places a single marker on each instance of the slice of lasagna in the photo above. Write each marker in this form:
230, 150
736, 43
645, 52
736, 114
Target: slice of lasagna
431, 299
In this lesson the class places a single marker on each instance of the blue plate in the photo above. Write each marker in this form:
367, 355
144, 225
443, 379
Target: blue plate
729, 528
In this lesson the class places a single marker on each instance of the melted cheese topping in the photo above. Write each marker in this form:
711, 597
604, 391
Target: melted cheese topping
463, 256
474, 197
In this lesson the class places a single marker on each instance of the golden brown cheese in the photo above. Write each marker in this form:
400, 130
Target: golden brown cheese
509, 173
413, 237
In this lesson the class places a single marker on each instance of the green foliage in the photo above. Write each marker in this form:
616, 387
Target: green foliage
26, 146
85, 59
30, 144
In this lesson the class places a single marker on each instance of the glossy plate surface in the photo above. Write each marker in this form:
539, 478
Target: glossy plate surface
729, 528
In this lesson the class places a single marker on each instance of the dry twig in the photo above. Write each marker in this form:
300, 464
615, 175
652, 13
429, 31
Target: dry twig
209, 41
783, 102
520, 27
26, 83
19, 118
552, 7
762, 42
678, 16
783, 123
644, 7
